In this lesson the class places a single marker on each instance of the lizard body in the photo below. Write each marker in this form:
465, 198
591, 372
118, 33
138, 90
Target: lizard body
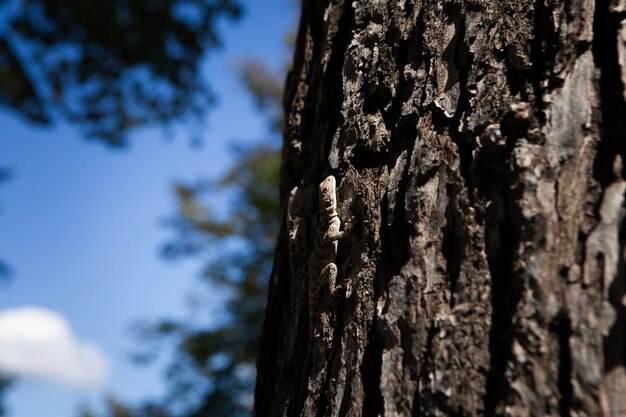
323, 270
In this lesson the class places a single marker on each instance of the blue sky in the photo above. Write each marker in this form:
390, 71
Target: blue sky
81, 224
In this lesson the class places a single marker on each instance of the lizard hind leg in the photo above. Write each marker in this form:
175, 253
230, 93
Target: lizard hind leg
329, 275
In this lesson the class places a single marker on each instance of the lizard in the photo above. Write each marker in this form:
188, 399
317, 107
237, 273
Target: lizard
322, 269
322, 272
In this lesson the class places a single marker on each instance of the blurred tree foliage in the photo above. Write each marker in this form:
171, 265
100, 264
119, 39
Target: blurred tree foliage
108, 66
233, 224
213, 368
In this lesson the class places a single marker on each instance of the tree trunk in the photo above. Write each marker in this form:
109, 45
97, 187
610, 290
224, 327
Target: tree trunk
477, 150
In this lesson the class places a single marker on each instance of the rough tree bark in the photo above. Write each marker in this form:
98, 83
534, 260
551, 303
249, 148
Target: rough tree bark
477, 149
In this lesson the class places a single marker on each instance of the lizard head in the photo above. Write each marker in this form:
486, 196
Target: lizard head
328, 199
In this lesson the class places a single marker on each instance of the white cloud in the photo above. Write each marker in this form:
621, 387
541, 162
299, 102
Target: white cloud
39, 343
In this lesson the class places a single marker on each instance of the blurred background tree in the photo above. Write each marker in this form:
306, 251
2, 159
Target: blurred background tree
108, 66
233, 224
112, 67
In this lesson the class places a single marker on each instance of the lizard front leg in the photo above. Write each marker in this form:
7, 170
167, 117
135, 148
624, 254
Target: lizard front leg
333, 231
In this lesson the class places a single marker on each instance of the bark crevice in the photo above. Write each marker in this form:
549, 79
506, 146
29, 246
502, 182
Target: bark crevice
612, 104
542, 54
562, 326
370, 373
506, 290
454, 242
